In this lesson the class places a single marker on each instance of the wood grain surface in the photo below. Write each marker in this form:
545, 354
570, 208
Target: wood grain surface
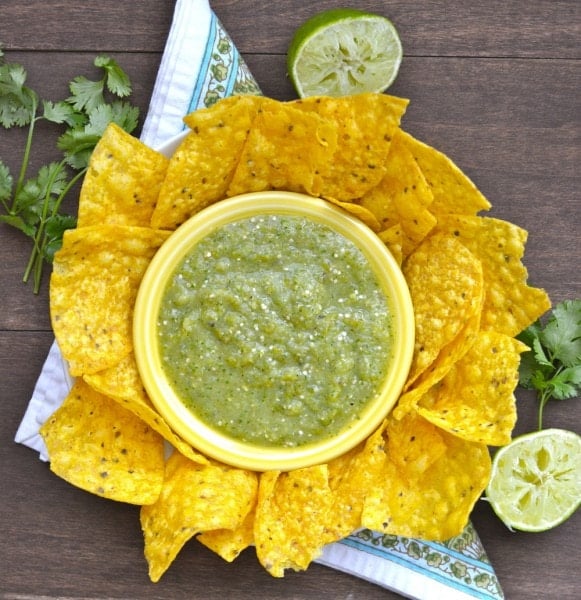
493, 84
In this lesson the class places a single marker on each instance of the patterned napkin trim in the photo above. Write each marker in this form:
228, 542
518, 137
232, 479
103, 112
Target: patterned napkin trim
226, 73
461, 562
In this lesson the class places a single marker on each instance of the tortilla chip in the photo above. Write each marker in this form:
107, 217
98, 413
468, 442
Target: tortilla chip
97, 445
229, 543
413, 445
202, 167
446, 287
448, 356
402, 197
430, 499
122, 182
122, 383
475, 400
194, 498
393, 239
351, 476
365, 124
453, 191
510, 304
95, 279
359, 212
290, 519
286, 149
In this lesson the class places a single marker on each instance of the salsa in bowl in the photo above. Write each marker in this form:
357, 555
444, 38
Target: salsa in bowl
273, 331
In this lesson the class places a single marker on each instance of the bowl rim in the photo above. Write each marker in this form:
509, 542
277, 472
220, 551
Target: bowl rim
214, 443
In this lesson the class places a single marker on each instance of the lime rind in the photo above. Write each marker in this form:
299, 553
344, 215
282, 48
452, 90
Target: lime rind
344, 51
535, 482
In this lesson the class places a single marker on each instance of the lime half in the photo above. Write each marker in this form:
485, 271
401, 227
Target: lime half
344, 51
535, 482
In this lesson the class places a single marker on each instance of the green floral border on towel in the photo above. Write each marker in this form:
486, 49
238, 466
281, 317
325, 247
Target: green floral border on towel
460, 562
223, 71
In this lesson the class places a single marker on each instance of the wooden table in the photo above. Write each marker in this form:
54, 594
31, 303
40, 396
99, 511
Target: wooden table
493, 84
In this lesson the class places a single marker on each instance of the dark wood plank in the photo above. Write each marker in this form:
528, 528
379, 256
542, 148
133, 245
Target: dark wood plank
543, 28
96, 26
449, 28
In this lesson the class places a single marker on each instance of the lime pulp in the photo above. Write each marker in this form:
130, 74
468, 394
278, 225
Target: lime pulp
535, 483
344, 51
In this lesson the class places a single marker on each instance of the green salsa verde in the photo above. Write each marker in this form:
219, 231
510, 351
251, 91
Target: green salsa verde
275, 330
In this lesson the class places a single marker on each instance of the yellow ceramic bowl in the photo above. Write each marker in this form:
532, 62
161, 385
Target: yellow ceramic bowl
205, 438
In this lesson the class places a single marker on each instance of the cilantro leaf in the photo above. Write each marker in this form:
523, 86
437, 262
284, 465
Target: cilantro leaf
18, 103
540, 355
18, 223
55, 226
77, 146
116, 79
562, 334
566, 383
553, 365
125, 115
6, 183
86, 94
37, 195
120, 113
59, 112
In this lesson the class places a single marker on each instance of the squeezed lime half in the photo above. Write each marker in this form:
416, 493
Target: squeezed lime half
535, 483
344, 51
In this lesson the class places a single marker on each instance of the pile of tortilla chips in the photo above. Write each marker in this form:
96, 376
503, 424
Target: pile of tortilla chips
421, 472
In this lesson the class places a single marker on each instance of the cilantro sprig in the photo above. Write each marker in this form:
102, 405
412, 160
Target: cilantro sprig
32, 204
553, 365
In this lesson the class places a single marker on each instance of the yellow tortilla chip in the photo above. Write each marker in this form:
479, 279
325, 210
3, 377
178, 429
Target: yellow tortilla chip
510, 304
393, 239
290, 518
413, 445
475, 400
122, 182
286, 149
360, 212
402, 196
446, 287
365, 125
429, 500
122, 383
97, 445
202, 167
446, 359
229, 543
194, 498
351, 476
95, 279
380, 203
452, 189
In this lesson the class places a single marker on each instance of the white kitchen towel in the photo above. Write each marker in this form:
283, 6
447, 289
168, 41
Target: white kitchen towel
201, 64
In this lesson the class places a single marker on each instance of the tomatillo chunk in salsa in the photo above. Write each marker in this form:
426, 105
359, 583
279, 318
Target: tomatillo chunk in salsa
275, 330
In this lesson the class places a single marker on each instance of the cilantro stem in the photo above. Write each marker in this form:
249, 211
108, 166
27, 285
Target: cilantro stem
40, 241
543, 399
547, 393
25, 156
66, 190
